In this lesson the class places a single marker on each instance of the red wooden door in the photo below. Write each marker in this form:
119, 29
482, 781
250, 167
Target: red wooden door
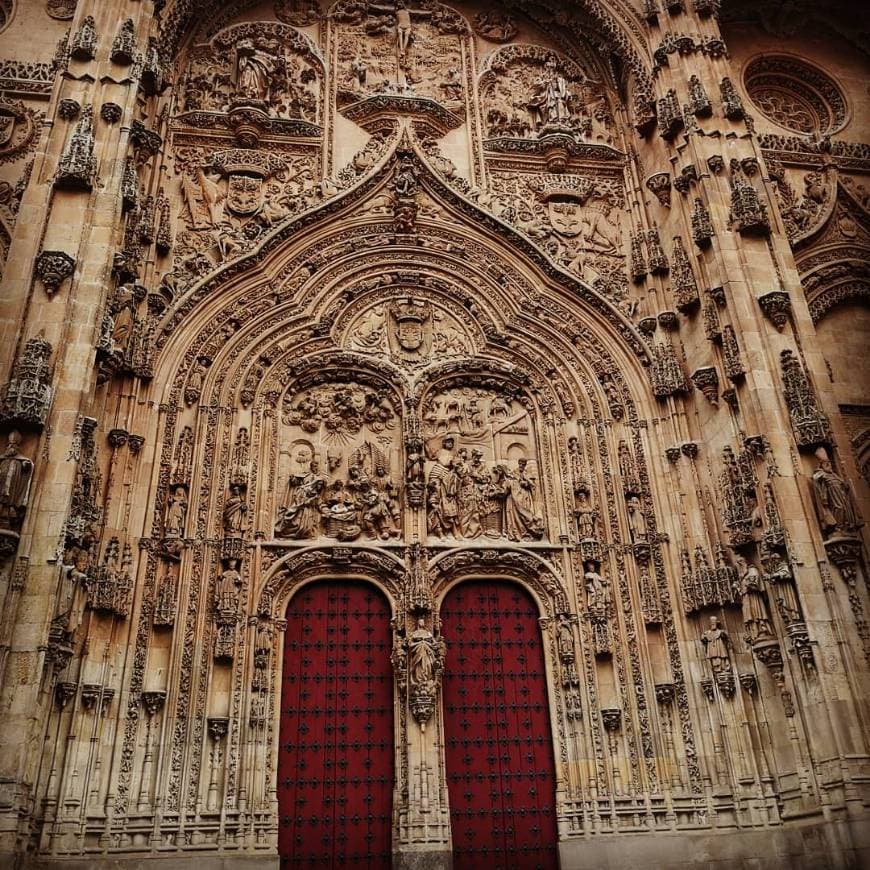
500, 766
335, 767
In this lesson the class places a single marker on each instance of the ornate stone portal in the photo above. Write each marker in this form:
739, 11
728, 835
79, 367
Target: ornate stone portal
385, 292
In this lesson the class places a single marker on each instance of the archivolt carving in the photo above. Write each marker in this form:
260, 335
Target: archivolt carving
291, 572
530, 570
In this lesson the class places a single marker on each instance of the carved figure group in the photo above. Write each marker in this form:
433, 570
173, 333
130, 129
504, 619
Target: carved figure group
343, 508
467, 499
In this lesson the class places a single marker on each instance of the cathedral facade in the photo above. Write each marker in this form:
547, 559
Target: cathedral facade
434, 435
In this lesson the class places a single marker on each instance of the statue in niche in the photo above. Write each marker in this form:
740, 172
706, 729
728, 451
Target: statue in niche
228, 588
586, 514
779, 575
255, 69
755, 615
176, 514
299, 515
834, 501
16, 471
636, 519
73, 584
423, 655
717, 646
235, 513
597, 590
124, 312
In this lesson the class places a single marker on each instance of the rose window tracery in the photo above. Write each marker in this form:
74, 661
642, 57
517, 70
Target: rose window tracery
795, 95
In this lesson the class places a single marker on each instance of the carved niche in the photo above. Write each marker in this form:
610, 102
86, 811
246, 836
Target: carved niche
264, 66
482, 469
528, 91
339, 463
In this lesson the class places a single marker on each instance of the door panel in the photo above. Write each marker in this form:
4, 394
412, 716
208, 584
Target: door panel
335, 768
500, 765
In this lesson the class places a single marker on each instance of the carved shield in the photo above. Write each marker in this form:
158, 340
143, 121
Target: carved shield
410, 334
566, 216
244, 194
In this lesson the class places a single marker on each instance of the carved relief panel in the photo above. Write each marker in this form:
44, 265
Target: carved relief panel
528, 91
409, 330
339, 460
262, 65
482, 472
399, 48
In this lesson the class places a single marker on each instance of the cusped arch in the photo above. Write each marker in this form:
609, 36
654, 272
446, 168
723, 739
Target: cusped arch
522, 567
299, 568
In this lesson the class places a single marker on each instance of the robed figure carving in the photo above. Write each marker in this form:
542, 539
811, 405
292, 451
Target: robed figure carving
299, 514
834, 501
15, 473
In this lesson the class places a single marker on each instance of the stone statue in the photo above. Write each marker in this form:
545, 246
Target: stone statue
834, 501
755, 615
423, 655
557, 94
235, 513
587, 516
597, 590
405, 184
717, 645
16, 471
255, 71
176, 514
228, 588
636, 519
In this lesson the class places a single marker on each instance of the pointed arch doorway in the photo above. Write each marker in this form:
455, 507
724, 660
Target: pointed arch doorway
499, 754
335, 765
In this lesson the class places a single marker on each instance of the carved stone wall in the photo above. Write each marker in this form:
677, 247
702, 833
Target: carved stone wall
566, 295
